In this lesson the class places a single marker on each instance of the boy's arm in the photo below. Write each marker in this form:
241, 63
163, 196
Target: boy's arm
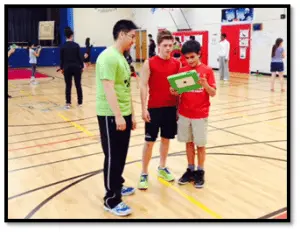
209, 83
145, 75
37, 54
11, 51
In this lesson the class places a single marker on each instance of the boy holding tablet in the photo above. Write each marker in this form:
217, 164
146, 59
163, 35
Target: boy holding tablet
193, 113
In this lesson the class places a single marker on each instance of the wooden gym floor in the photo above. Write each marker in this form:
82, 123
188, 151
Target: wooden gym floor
55, 160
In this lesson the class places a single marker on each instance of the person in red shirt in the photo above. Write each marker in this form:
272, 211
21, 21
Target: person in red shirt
193, 113
161, 112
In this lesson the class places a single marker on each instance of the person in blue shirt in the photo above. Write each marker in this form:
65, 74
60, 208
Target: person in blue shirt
277, 66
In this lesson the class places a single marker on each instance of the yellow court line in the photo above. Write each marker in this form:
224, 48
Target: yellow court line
191, 199
12, 85
76, 125
21, 91
181, 193
25, 92
184, 195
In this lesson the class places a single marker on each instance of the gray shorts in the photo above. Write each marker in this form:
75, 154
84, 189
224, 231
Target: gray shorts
192, 130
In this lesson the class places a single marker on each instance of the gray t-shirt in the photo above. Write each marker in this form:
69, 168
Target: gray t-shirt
278, 55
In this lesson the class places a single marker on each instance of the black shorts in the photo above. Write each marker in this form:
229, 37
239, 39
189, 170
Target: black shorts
277, 67
163, 119
176, 55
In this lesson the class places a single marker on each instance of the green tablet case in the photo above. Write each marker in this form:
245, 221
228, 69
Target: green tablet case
185, 82
13, 46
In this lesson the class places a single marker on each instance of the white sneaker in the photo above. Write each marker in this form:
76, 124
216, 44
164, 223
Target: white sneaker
67, 106
120, 210
33, 81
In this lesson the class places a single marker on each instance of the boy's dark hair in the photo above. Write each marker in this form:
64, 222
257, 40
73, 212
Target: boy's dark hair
162, 35
192, 37
191, 46
68, 32
123, 25
224, 35
150, 36
30, 45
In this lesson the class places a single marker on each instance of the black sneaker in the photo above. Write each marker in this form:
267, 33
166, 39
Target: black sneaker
199, 178
186, 177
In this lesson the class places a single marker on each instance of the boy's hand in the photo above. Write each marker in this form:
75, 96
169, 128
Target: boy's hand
174, 92
203, 81
133, 123
120, 123
146, 116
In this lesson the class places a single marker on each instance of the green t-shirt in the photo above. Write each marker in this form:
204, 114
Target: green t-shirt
176, 47
112, 65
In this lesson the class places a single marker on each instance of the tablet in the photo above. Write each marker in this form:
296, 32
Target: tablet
13, 46
185, 82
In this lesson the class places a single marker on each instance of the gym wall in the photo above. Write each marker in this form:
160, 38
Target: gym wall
263, 41
50, 56
210, 19
90, 22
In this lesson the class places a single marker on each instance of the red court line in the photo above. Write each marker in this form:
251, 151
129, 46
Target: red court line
48, 144
281, 216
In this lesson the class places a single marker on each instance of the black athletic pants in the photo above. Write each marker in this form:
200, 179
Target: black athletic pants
115, 147
69, 73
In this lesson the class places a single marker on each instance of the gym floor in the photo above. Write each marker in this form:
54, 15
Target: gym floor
55, 160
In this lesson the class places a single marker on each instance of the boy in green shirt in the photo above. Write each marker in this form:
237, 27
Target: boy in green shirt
115, 114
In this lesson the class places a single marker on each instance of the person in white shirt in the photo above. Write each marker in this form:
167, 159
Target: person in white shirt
33, 54
224, 57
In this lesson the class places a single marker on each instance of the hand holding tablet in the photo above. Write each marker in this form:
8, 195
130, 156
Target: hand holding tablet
185, 82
